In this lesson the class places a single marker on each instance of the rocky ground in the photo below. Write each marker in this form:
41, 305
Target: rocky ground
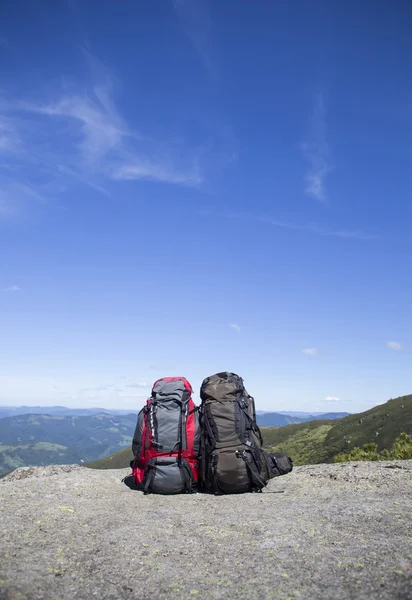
328, 532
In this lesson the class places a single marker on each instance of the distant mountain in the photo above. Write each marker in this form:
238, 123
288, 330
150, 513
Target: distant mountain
265, 419
11, 411
331, 416
276, 419
44, 439
298, 413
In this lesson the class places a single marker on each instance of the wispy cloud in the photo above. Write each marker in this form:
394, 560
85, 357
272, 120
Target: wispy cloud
235, 327
156, 172
340, 233
106, 145
103, 387
308, 228
138, 384
196, 21
12, 288
310, 351
8, 137
316, 151
332, 399
394, 345
14, 195
78, 136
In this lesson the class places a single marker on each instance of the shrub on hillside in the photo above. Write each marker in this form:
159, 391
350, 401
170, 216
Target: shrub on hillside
401, 450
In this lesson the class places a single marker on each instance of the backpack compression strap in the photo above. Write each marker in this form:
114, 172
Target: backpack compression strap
256, 481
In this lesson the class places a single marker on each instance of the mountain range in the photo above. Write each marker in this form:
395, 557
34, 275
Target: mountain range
264, 418
59, 435
34, 439
276, 419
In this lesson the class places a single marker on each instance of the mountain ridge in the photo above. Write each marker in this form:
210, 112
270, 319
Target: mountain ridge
12, 411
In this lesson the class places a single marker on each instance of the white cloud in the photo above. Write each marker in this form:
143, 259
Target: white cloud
344, 234
394, 345
155, 172
316, 151
12, 288
196, 21
102, 388
138, 384
108, 146
9, 141
332, 399
78, 136
310, 351
359, 235
235, 327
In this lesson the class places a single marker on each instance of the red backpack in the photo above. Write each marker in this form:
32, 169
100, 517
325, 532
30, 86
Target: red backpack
166, 440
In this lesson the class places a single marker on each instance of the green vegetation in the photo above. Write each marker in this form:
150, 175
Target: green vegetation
401, 450
119, 460
27, 440
321, 441
304, 442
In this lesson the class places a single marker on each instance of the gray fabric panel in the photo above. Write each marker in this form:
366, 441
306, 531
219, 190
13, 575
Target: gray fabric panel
221, 389
170, 389
137, 437
224, 418
231, 473
169, 478
196, 441
168, 416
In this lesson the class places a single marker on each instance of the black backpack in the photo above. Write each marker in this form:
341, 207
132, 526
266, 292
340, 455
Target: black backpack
232, 458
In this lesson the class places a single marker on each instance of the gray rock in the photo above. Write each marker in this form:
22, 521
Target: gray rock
332, 532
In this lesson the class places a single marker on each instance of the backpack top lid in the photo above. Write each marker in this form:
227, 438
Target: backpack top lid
230, 381
172, 388
225, 375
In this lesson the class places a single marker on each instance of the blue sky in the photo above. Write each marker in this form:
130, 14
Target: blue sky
192, 186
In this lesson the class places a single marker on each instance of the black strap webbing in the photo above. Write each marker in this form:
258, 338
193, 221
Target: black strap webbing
149, 480
257, 483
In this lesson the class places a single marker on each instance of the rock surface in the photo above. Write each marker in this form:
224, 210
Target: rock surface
327, 532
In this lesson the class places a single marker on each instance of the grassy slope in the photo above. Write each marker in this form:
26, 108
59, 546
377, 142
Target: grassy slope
305, 442
119, 460
320, 441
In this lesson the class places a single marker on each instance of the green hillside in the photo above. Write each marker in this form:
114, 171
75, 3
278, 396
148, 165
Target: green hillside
304, 442
119, 460
319, 441
27, 440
